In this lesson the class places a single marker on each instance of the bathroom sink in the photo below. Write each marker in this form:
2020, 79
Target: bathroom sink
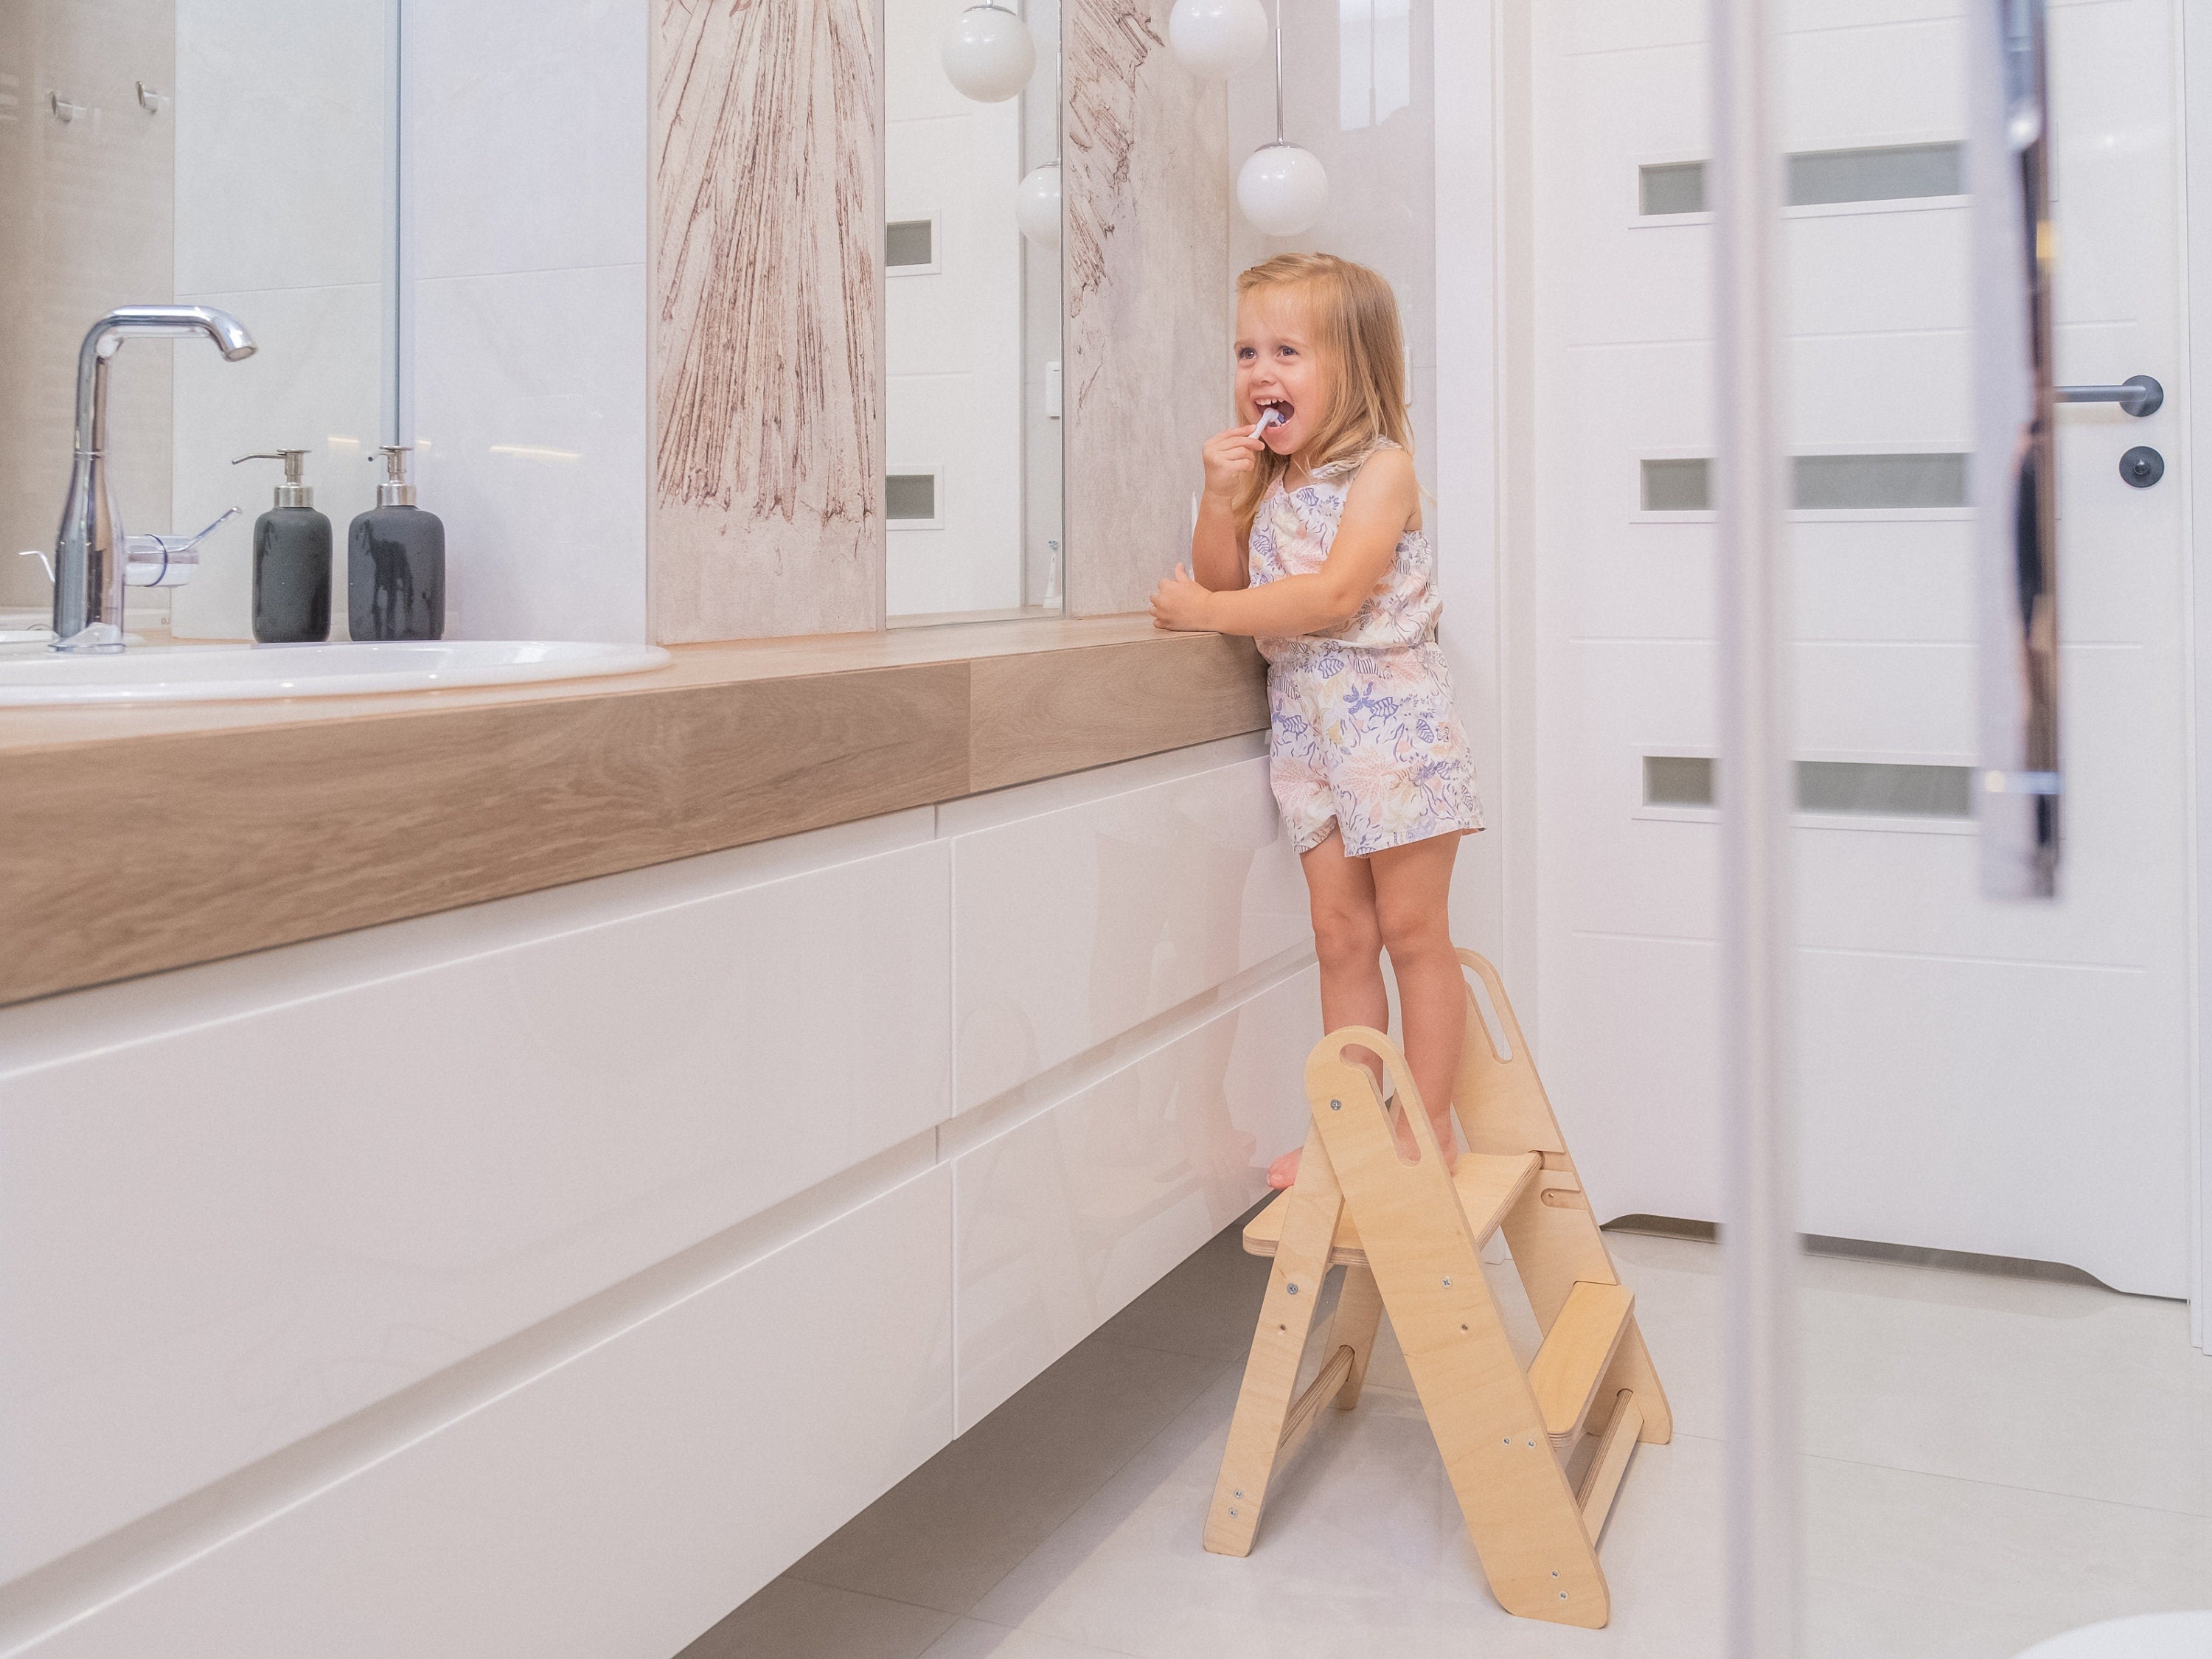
189, 673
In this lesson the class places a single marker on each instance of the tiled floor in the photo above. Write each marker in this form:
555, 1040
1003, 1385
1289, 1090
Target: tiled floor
1989, 1461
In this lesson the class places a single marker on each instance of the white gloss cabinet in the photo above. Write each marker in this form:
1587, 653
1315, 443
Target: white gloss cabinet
545, 1276
616, 1504
217, 1239
1075, 921
1063, 1219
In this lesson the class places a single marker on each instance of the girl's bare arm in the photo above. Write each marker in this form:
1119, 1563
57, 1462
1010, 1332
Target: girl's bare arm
1217, 552
1382, 502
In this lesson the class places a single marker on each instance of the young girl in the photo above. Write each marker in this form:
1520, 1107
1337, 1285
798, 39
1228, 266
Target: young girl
1309, 538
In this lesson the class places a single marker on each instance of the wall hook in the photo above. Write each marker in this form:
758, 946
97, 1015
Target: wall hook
64, 110
151, 101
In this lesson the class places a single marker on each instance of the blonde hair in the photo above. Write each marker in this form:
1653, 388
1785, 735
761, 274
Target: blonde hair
1354, 319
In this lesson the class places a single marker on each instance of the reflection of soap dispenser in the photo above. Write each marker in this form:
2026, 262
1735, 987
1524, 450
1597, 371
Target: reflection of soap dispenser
291, 559
396, 562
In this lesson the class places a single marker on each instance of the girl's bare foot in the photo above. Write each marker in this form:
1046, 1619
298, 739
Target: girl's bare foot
1284, 1170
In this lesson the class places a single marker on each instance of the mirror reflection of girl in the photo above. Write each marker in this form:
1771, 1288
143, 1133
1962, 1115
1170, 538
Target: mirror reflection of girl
1309, 538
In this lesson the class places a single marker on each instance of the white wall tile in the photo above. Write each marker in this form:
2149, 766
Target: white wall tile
315, 383
1064, 1220
1359, 95
527, 187
219, 1239
280, 141
530, 422
620, 1502
1075, 924
529, 125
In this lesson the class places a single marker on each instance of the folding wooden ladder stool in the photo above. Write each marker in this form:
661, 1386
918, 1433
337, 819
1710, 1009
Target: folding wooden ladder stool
1409, 1236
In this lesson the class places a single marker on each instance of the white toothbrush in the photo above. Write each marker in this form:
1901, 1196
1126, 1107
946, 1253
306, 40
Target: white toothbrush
1270, 416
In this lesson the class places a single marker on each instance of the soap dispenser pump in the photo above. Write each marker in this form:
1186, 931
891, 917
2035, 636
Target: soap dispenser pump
291, 559
396, 561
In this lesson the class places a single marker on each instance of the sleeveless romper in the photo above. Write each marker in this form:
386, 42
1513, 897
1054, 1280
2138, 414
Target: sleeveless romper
1364, 734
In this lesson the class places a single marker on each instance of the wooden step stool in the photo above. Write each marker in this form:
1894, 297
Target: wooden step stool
1409, 1237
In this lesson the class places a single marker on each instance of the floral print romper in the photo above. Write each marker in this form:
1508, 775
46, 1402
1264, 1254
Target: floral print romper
1365, 738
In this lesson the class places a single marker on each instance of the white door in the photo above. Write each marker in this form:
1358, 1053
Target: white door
2010, 1080
953, 437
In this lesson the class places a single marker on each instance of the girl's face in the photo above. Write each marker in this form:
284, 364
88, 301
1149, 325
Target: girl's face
1278, 367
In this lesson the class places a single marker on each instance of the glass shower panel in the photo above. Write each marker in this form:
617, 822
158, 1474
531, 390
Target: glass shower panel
1998, 1386
2005, 1428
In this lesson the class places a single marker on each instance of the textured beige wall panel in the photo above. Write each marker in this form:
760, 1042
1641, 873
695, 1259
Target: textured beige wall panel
767, 320
1147, 176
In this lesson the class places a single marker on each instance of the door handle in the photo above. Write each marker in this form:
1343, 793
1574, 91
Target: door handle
2137, 395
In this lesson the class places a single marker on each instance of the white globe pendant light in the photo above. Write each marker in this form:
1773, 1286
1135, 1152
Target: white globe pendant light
1282, 188
1036, 208
988, 53
1215, 39
1037, 198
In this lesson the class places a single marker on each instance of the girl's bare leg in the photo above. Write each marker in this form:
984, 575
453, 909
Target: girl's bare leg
1348, 941
1412, 904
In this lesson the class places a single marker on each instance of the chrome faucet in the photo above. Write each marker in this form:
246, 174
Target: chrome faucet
90, 566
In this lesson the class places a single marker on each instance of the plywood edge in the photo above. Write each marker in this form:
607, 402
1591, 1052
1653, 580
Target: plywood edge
1039, 714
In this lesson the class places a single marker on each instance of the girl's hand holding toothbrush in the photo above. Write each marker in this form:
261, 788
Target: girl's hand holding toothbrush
1229, 458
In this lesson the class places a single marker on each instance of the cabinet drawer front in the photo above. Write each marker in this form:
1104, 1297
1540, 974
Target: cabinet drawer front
1065, 1219
218, 1240
1077, 924
620, 1501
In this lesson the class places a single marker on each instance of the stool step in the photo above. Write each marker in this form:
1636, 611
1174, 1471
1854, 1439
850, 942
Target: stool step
1576, 1354
1602, 1484
1487, 1183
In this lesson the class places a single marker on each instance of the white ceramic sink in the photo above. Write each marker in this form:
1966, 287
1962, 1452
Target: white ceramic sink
196, 673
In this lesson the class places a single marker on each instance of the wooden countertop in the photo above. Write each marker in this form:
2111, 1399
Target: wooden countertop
134, 840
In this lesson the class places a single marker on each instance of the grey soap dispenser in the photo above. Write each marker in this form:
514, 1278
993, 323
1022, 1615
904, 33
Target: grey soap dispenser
291, 559
396, 562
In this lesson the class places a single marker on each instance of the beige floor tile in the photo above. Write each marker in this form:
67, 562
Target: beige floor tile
1975, 1433
1900, 1563
1662, 1551
1347, 1564
971, 1638
1343, 1565
951, 1530
1206, 1306
2064, 1388
1677, 1306
793, 1620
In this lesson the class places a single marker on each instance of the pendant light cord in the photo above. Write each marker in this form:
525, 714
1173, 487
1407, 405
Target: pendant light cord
1279, 138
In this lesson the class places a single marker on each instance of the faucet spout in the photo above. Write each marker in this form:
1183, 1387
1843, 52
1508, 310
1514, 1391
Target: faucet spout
89, 564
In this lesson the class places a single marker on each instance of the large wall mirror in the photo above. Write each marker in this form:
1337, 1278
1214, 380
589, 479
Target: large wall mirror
238, 153
973, 325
